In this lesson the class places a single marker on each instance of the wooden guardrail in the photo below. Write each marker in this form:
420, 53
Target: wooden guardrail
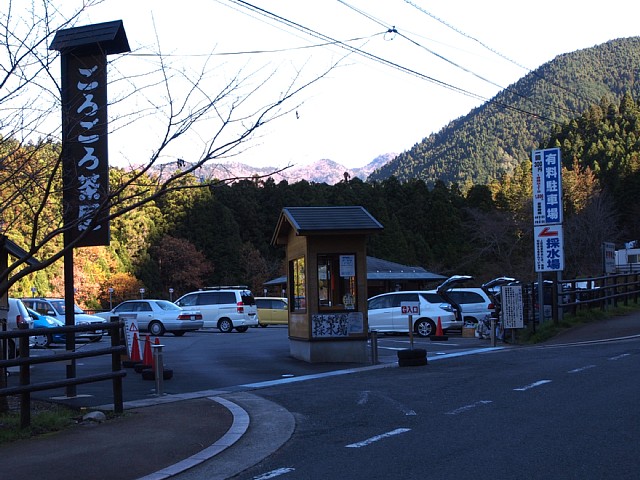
572, 296
24, 361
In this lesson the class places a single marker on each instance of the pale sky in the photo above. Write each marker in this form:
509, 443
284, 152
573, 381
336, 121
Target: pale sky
363, 108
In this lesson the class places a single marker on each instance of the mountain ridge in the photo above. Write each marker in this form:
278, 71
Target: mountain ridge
321, 171
497, 136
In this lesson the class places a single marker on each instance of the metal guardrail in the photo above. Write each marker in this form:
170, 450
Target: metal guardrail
24, 361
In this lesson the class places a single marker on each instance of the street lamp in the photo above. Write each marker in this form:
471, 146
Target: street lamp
142, 293
171, 294
110, 298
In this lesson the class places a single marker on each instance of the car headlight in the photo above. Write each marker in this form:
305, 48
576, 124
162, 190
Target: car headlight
82, 322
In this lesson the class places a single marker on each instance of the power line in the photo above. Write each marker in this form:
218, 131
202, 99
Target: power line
495, 52
456, 65
375, 58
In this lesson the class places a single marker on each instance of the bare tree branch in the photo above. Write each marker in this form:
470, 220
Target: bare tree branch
177, 102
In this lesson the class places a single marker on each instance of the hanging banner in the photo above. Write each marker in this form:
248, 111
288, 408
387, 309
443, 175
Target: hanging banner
85, 160
85, 163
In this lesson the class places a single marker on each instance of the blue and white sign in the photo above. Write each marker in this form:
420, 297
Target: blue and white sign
547, 187
549, 248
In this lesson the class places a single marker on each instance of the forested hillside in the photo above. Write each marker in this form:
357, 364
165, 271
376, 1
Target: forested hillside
494, 138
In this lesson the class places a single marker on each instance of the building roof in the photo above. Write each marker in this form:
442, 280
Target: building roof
107, 37
324, 221
378, 269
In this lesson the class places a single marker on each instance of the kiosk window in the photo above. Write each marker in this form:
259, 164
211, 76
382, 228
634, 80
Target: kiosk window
297, 288
337, 282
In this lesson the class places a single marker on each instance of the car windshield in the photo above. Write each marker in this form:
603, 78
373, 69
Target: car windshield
167, 305
59, 307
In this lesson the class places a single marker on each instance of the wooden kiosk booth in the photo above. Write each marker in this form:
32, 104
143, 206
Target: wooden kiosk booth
326, 280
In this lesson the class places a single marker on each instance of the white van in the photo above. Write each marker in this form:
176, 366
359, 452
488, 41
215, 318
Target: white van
475, 303
17, 318
223, 307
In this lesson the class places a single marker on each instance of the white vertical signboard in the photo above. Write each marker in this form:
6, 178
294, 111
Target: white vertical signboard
512, 306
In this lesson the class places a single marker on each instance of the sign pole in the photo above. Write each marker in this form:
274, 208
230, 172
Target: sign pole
411, 332
540, 299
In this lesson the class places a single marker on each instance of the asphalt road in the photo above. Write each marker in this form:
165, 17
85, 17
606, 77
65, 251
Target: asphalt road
558, 412
210, 360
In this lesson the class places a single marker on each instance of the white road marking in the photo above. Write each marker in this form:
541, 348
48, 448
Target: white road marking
364, 399
618, 357
533, 385
368, 441
469, 407
581, 369
274, 473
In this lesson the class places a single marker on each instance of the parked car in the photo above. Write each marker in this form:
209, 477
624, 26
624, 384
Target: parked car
475, 303
46, 321
469, 304
223, 307
385, 314
55, 307
18, 318
158, 316
272, 311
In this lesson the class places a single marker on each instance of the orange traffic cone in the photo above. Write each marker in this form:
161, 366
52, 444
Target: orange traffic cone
439, 336
156, 342
135, 349
134, 357
148, 356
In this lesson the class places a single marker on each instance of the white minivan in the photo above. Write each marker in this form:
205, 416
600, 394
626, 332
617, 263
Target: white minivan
474, 302
18, 318
225, 308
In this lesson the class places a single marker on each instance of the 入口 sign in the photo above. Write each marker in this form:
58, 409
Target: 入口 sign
410, 308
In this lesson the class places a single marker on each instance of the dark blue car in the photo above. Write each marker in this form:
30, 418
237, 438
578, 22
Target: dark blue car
45, 321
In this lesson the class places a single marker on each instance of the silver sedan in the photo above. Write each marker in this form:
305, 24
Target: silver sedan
158, 316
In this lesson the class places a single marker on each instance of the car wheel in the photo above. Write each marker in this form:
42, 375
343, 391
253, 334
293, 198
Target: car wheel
242, 329
264, 325
178, 334
225, 325
156, 328
43, 341
425, 327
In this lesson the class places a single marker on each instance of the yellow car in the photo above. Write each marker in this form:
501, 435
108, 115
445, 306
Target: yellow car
272, 311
